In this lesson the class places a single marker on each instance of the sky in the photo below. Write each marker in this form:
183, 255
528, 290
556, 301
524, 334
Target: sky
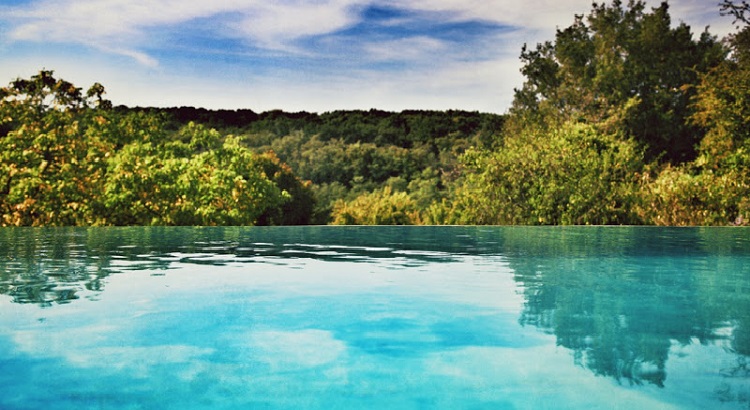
296, 55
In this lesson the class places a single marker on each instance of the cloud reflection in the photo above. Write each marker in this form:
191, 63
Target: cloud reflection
450, 317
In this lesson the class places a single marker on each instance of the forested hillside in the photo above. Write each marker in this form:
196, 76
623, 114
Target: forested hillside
404, 162
70, 158
624, 118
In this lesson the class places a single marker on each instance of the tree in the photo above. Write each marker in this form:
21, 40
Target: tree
67, 158
714, 189
681, 196
722, 107
51, 166
222, 183
737, 10
299, 207
625, 69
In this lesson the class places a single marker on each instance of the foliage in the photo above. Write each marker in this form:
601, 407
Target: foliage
736, 10
299, 203
625, 69
170, 184
49, 162
722, 108
69, 159
715, 189
622, 119
678, 197
382, 207
342, 167
573, 175
636, 82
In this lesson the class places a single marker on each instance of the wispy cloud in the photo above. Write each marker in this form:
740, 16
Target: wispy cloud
407, 49
443, 53
114, 26
124, 26
276, 25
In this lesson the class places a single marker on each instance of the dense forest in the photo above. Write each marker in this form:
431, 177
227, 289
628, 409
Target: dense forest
624, 118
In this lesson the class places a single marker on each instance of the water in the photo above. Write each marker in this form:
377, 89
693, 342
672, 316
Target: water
374, 317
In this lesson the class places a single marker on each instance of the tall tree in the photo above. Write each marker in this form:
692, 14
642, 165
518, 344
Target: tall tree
50, 165
722, 107
623, 68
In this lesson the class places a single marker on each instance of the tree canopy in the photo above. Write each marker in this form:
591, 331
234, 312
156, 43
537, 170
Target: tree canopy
623, 118
624, 68
68, 159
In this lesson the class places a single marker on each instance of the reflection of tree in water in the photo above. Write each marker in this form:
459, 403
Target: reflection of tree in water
58, 265
621, 310
54, 265
607, 336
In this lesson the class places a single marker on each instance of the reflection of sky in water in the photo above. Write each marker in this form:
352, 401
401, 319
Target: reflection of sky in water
337, 327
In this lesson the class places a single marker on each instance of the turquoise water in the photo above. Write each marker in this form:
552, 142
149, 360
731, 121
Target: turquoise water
374, 317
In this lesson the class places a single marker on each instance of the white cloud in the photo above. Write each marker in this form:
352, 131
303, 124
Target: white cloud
110, 18
276, 24
136, 55
430, 72
419, 48
540, 14
699, 15
113, 25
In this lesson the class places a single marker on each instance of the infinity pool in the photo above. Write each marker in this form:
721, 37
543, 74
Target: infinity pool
375, 317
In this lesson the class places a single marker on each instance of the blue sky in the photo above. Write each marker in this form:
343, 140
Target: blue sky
315, 55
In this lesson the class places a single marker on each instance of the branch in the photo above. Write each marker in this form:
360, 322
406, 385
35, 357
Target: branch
729, 8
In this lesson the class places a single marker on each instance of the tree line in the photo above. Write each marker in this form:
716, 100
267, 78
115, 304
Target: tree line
623, 118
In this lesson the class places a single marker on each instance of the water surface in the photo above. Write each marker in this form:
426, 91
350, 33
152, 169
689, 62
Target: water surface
374, 317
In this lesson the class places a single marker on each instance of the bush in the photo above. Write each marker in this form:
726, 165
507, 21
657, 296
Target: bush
571, 175
382, 207
678, 197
